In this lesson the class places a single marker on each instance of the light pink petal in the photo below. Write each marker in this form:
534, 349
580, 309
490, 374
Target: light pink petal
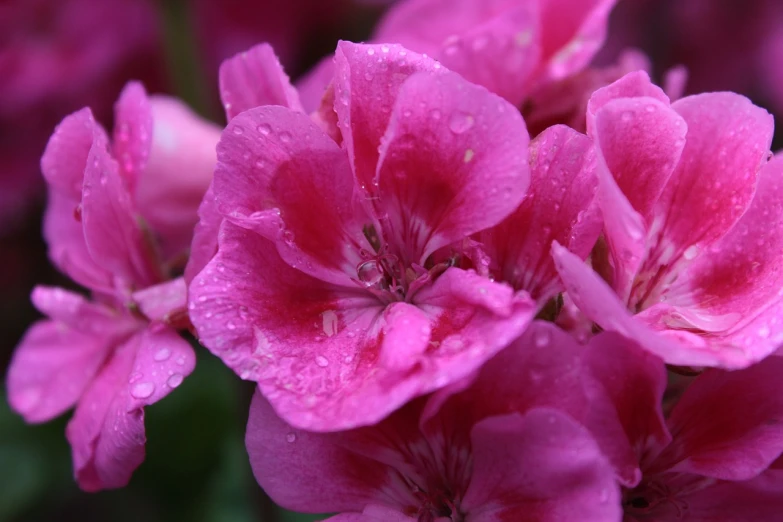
728, 141
66, 154
599, 302
163, 360
572, 32
254, 78
727, 425
306, 471
77, 312
539, 466
635, 84
107, 440
160, 301
453, 162
277, 163
111, 232
132, 131
634, 381
205, 236
366, 82
741, 273
181, 162
558, 207
51, 368
759, 337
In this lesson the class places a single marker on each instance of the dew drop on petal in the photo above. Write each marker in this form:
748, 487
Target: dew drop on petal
291, 437
461, 122
175, 380
162, 354
541, 338
143, 390
321, 361
264, 129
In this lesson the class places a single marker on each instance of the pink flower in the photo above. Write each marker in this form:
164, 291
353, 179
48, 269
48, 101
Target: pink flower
56, 56
712, 457
511, 47
109, 227
342, 282
492, 447
693, 226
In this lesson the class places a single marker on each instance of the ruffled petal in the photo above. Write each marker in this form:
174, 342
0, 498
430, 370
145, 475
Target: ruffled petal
132, 132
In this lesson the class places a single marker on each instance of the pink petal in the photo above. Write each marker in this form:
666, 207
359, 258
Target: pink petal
181, 162
111, 232
727, 424
635, 84
728, 140
163, 360
306, 471
51, 368
132, 131
638, 142
501, 54
107, 440
276, 162
472, 147
572, 32
559, 203
66, 154
599, 302
205, 236
68, 251
538, 466
634, 382
324, 355
77, 312
158, 302
254, 78
756, 500
312, 86
741, 273
366, 82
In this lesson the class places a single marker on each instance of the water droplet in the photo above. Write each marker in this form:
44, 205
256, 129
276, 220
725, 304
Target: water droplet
264, 129
461, 122
330, 322
370, 51
285, 137
238, 130
764, 332
135, 377
321, 361
468, 156
175, 380
541, 338
691, 252
162, 354
435, 114
291, 437
368, 76
143, 390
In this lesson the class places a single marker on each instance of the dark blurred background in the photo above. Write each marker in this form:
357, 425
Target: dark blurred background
57, 56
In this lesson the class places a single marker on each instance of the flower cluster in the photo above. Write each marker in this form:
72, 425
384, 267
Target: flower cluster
450, 314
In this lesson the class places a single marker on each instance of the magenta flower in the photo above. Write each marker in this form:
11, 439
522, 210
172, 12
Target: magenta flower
343, 281
57, 56
118, 222
511, 47
712, 457
490, 448
693, 221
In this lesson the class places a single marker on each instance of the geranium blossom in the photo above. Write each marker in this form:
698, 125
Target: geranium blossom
494, 447
343, 279
511, 47
693, 216
712, 457
115, 227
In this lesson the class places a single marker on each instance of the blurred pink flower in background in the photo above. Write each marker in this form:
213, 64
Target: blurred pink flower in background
57, 56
